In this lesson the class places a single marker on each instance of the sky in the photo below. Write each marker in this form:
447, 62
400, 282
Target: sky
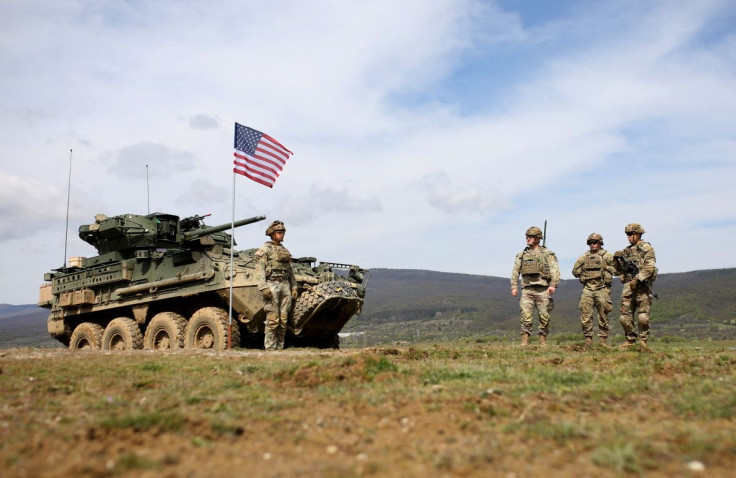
427, 134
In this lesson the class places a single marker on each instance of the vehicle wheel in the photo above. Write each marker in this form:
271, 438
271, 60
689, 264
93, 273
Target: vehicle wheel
305, 304
165, 331
87, 336
315, 298
122, 334
208, 329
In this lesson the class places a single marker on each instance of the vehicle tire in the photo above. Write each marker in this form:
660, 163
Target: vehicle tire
208, 329
122, 334
165, 331
305, 304
87, 336
310, 300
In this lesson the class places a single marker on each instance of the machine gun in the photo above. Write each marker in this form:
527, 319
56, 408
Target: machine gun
628, 267
192, 222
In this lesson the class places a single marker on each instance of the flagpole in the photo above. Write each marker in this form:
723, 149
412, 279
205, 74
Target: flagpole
232, 274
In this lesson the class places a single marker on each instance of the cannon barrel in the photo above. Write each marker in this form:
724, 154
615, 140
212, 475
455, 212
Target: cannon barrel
205, 231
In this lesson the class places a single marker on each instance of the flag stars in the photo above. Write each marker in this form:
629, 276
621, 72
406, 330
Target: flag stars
258, 156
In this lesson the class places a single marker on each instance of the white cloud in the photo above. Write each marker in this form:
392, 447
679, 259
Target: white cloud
328, 201
24, 204
132, 160
466, 197
413, 123
203, 121
28, 206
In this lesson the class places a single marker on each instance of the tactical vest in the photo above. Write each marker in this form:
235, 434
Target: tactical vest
278, 263
593, 266
535, 264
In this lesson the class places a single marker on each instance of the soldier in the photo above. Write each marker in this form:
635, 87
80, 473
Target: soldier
636, 295
277, 284
540, 275
595, 271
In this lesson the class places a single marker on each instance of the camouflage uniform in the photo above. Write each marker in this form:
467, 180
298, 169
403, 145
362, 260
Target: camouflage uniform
539, 271
273, 271
636, 296
595, 271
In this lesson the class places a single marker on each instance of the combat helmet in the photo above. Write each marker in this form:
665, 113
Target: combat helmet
634, 227
595, 237
534, 231
275, 226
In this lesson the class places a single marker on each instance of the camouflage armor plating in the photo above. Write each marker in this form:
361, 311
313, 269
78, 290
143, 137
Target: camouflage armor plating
637, 299
595, 270
539, 270
273, 271
537, 267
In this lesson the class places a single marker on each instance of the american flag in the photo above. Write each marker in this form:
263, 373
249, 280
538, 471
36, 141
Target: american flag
258, 156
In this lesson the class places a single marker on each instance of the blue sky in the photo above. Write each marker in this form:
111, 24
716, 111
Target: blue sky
427, 134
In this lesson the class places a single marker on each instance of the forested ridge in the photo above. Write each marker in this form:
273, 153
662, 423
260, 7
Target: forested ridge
418, 305
411, 303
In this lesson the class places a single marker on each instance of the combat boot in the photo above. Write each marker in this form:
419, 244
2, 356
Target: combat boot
524, 339
588, 340
602, 341
542, 340
627, 344
644, 346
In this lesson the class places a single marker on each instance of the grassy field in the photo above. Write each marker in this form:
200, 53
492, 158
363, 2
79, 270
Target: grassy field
467, 408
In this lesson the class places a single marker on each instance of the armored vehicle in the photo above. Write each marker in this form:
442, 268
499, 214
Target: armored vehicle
160, 282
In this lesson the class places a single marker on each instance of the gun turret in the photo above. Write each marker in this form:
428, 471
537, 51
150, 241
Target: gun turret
128, 232
206, 231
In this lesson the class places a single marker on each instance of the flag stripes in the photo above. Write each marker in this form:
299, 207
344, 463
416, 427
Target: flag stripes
258, 156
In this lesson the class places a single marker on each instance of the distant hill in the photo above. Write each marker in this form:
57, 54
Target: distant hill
418, 305
27, 328
7, 310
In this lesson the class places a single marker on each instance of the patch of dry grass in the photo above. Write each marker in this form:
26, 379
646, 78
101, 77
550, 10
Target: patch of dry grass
463, 408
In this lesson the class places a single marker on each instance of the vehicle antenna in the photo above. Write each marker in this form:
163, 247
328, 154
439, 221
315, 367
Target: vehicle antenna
68, 195
148, 193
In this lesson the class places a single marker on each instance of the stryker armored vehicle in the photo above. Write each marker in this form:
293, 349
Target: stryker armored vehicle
164, 283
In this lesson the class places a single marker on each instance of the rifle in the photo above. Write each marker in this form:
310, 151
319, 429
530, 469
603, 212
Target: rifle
628, 267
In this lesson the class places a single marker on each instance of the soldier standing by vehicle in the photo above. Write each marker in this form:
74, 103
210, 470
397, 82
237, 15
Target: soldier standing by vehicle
595, 271
540, 275
636, 266
277, 284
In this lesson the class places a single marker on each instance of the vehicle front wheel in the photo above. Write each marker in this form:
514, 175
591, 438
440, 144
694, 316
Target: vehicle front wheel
86, 336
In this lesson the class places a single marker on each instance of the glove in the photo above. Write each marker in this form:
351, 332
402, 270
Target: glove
618, 254
294, 293
267, 293
634, 283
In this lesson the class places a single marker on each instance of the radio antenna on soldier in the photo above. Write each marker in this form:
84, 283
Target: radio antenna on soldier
68, 194
544, 234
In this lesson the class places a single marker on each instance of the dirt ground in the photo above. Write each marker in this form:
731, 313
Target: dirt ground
357, 412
